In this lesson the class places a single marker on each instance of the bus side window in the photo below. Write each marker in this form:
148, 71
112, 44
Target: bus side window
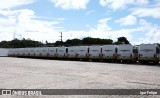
116, 49
135, 50
88, 50
66, 50
101, 49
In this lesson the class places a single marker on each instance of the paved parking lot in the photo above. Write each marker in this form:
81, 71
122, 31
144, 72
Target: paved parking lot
23, 73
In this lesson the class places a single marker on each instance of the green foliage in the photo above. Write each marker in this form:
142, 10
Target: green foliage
16, 43
58, 43
20, 43
5, 44
96, 41
73, 42
122, 40
84, 41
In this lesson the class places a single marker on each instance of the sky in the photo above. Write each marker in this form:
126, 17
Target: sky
41, 20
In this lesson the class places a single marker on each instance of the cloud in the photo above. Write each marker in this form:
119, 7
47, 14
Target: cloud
152, 32
90, 12
102, 25
101, 30
6, 4
24, 22
120, 4
128, 20
141, 2
75, 34
98, 34
147, 12
150, 10
71, 4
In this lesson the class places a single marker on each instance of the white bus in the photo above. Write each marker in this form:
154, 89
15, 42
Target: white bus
72, 52
95, 52
109, 52
62, 52
10, 52
41, 51
4, 52
148, 53
52, 51
44, 51
127, 52
83, 52
37, 52
31, 52
21, 52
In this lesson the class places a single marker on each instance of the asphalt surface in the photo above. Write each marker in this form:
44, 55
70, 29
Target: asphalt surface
23, 73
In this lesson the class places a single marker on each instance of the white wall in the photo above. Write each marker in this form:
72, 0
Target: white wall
3, 52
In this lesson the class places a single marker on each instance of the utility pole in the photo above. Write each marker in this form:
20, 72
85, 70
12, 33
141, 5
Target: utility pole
61, 38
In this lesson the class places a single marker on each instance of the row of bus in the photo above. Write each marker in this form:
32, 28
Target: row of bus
143, 53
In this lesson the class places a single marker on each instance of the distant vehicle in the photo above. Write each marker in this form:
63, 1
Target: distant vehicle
95, 52
62, 52
72, 52
52, 52
31, 52
145, 53
21, 52
83, 52
37, 52
4, 52
109, 52
11, 52
127, 53
27, 52
148, 53
44, 51
16, 52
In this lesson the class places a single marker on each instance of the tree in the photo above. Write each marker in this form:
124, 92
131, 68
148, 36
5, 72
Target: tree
5, 44
73, 42
58, 43
16, 43
122, 40
46, 42
96, 41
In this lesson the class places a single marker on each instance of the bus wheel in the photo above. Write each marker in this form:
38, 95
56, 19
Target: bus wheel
118, 61
155, 62
133, 61
141, 62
